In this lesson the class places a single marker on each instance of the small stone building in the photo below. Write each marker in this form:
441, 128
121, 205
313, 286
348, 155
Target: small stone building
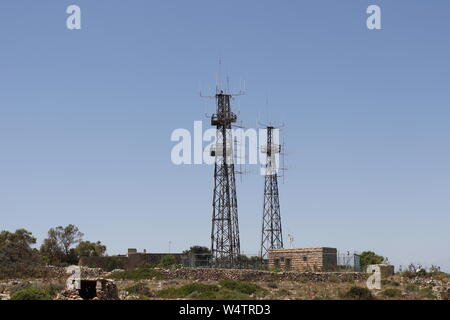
91, 289
304, 259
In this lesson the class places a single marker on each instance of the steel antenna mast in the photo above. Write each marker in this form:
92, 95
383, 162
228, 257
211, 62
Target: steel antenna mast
225, 243
272, 236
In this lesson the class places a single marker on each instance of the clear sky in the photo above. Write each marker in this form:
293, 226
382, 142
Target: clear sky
86, 118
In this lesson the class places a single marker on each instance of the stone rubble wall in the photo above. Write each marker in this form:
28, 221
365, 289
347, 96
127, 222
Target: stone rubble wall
86, 273
204, 274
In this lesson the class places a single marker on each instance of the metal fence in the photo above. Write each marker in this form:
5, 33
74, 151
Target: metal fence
341, 262
243, 261
349, 261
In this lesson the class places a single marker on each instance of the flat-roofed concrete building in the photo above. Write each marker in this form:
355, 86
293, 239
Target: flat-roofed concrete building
304, 259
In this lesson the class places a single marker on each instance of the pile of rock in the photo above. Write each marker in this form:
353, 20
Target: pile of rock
69, 295
441, 289
91, 272
107, 291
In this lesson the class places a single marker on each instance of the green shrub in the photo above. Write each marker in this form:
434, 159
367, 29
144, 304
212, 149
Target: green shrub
275, 269
392, 293
272, 285
52, 289
55, 288
20, 286
23, 272
358, 293
412, 287
427, 292
140, 289
202, 291
240, 286
167, 261
138, 274
422, 273
31, 294
283, 292
113, 263
370, 257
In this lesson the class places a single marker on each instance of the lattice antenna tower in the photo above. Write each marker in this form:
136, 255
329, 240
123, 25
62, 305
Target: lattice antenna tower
271, 233
225, 240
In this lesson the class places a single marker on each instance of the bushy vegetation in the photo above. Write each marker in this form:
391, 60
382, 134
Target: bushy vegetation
418, 271
167, 261
141, 289
199, 256
240, 286
282, 293
358, 293
57, 248
208, 292
275, 269
90, 249
391, 293
138, 274
26, 288
62, 247
370, 257
31, 294
411, 287
17, 258
54, 288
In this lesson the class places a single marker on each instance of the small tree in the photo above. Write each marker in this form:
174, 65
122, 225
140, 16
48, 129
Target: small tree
51, 252
57, 248
17, 258
198, 250
90, 249
68, 237
369, 257
199, 255
31, 294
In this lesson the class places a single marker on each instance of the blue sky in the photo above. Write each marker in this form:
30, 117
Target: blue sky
86, 118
